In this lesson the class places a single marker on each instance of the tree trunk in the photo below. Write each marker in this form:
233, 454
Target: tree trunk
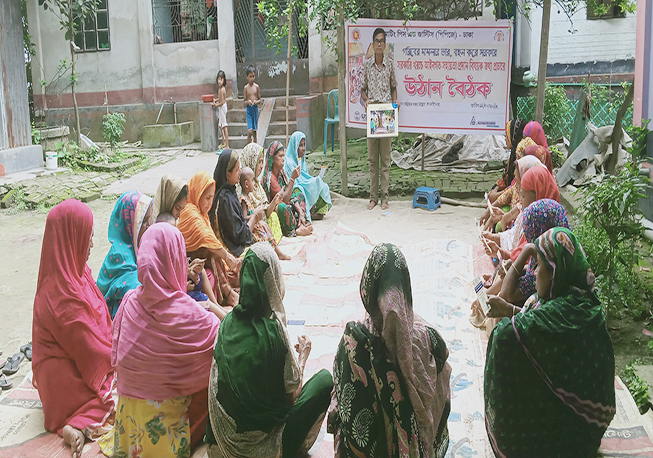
288, 73
617, 132
71, 31
544, 54
342, 103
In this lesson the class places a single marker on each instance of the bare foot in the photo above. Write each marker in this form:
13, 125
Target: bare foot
281, 255
304, 230
75, 438
371, 205
231, 300
384, 206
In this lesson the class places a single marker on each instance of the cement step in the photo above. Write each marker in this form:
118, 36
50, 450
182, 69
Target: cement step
281, 101
279, 114
279, 128
237, 129
271, 138
236, 115
237, 142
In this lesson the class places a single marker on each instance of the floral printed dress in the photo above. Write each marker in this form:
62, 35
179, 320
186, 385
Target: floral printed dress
149, 428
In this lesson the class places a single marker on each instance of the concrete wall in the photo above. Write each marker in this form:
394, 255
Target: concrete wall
593, 41
134, 70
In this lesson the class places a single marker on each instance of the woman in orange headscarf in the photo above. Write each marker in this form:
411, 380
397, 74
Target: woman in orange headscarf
201, 241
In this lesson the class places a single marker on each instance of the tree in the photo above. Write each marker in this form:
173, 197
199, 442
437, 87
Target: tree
71, 14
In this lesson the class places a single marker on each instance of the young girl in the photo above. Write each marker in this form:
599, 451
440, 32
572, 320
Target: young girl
262, 231
221, 103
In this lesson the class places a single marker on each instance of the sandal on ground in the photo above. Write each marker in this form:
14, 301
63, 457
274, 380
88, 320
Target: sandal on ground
27, 351
4, 383
12, 364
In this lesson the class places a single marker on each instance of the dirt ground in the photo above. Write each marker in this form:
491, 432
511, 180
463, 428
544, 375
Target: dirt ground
22, 237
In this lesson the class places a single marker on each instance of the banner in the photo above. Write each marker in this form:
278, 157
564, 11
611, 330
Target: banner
452, 76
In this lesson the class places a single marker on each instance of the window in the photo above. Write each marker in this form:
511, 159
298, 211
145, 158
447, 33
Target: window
604, 9
176, 21
92, 33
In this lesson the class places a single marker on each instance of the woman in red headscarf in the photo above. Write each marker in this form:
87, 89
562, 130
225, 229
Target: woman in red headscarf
71, 331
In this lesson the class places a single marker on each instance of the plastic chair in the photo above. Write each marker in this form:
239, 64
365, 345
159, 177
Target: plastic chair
426, 197
331, 120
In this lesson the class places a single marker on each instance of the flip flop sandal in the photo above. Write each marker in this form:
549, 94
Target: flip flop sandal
5, 384
27, 351
12, 364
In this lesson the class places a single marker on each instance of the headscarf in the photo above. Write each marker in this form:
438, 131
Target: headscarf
535, 131
227, 211
562, 352
193, 224
539, 179
563, 253
166, 194
253, 339
541, 153
249, 158
68, 306
118, 272
525, 164
514, 133
312, 187
387, 297
274, 148
162, 338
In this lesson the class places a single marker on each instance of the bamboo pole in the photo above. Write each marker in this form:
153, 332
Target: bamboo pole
288, 74
544, 55
423, 141
342, 103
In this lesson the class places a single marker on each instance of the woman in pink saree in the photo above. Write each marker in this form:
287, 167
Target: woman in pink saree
71, 331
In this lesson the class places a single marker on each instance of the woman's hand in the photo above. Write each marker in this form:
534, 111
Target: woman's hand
506, 220
231, 261
497, 214
491, 248
295, 173
196, 266
500, 308
303, 348
190, 286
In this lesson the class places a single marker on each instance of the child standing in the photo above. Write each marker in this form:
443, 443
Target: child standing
221, 104
252, 94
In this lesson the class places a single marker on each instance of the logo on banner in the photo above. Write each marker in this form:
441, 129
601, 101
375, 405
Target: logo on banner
473, 121
356, 35
499, 36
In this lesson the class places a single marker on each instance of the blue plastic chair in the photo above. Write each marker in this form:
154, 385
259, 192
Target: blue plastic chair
331, 120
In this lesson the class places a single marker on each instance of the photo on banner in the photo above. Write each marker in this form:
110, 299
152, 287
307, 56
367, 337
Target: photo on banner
382, 120
452, 77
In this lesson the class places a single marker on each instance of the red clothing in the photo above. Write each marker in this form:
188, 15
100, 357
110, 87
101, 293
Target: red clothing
275, 187
71, 329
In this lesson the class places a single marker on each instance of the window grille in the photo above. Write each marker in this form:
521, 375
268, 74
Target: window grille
92, 33
177, 21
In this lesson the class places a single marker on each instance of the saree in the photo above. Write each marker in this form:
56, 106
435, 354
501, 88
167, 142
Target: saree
71, 328
252, 154
316, 191
392, 363
194, 225
167, 194
549, 374
288, 214
254, 365
158, 334
539, 179
118, 272
234, 230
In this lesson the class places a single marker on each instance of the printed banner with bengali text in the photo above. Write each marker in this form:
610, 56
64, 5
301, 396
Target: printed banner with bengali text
452, 76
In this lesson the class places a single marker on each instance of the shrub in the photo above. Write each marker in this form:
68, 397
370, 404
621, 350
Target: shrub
113, 125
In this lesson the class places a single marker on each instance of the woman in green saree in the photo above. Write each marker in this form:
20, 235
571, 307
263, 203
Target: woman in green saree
549, 374
391, 378
257, 404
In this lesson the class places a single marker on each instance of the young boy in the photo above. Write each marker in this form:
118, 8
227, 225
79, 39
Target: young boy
221, 104
252, 94
262, 231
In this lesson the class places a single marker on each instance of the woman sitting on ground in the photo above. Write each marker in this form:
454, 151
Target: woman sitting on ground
257, 404
201, 241
391, 376
253, 156
71, 331
292, 210
549, 373
514, 134
316, 191
131, 217
171, 196
162, 346
539, 217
